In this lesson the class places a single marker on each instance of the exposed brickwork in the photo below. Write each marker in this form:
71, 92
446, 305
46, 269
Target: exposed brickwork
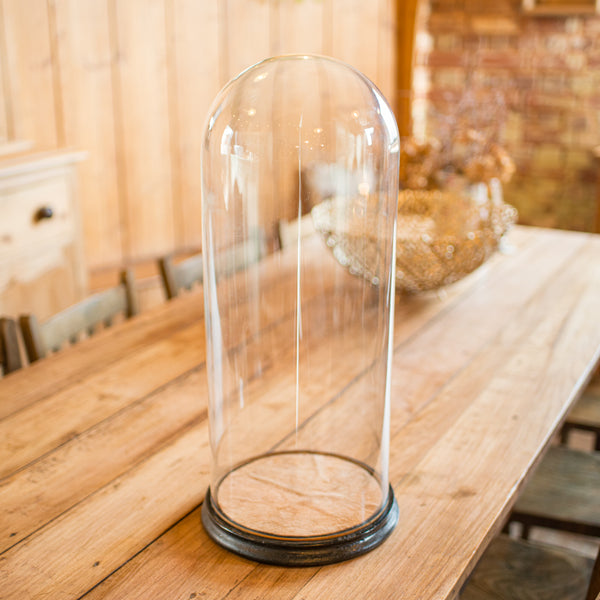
548, 70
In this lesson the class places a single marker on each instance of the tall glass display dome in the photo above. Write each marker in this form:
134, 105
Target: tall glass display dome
300, 188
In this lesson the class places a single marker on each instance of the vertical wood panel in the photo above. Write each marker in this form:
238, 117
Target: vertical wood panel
247, 33
299, 30
386, 51
404, 51
144, 123
85, 59
56, 82
328, 27
29, 61
5, 107
356, 34
194, 82
299, 27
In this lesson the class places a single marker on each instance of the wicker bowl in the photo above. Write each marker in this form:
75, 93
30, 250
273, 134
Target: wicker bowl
441, 235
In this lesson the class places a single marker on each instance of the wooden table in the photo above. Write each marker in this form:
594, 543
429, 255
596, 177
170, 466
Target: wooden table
104, 452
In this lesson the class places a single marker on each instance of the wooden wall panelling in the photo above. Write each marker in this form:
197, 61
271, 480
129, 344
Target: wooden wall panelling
327, 38
404, 52
142, 112
297, 27
6, 132
284, 177
192, 30
85, 59
363, 35
30, 65
386, 50
355, 37
245, 34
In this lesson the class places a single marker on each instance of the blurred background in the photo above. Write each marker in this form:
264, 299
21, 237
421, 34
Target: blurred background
103, 105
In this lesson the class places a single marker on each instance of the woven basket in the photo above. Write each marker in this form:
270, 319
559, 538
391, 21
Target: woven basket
441, 235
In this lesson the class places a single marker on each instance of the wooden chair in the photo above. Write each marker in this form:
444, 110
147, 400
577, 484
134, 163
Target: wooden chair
83, 317
10, 356
290, 230
585, 415
518, 570
183, 275
563, 494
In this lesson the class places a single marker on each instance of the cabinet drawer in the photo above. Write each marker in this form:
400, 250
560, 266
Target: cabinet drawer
23, 228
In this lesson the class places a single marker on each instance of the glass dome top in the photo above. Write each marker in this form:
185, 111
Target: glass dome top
293, 112
300, 188
280, 92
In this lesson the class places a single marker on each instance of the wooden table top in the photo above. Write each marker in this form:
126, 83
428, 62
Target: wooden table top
104, 448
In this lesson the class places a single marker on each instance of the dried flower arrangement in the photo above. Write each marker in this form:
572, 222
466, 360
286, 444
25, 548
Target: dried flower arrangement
427, 165
466, 146
451, 215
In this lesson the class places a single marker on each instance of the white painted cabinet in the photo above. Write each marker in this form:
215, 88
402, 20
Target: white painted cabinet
42, 267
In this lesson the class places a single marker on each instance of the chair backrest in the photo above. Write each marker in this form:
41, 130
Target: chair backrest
183, 275
594, 587
290, 231
83, 317
10, 355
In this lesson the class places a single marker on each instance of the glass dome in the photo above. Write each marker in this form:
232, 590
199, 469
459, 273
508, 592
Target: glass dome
300, 188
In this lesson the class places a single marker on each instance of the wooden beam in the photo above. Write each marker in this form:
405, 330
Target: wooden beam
596, 153
406, 15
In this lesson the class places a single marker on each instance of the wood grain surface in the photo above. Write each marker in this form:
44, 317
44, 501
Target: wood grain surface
104, 448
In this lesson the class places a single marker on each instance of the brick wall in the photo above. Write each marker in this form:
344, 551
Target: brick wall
547, 71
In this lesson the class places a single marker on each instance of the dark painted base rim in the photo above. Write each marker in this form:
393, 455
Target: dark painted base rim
297, 551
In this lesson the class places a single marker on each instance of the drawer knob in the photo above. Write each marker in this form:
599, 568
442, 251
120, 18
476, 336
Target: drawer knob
45, 212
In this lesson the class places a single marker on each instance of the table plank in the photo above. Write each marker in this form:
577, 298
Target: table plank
454, 336
146, 423
515, 341
54, 420
119, 380
95, 458
81, 547
59, 371
432, 500
77, 452
55, 373
492, 354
